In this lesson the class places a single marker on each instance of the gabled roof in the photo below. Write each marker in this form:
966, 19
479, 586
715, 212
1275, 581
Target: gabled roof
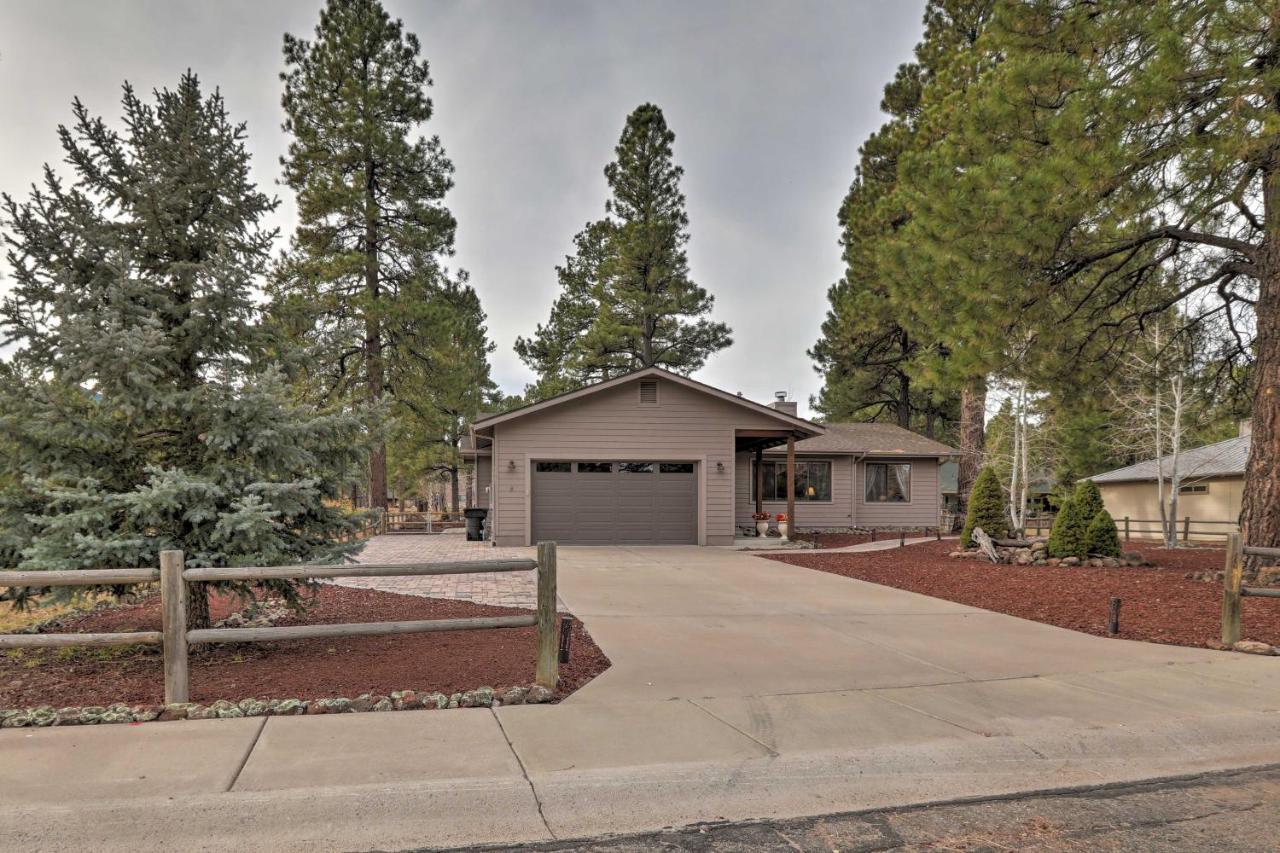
873, 439
1222, 459
797, 423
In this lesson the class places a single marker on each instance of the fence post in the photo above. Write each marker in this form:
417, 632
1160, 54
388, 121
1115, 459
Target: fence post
1186, 529
1232, 579
548, 671
173, 604
1126, 528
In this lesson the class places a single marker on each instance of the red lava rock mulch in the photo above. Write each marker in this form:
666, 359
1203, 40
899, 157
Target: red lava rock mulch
833, 540
1159, 605
448, 662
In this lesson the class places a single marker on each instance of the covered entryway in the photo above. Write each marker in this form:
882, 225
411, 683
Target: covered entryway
590, 502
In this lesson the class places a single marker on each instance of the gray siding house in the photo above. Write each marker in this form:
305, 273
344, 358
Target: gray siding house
655, 458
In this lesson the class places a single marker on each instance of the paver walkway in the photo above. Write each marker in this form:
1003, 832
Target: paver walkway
503, 589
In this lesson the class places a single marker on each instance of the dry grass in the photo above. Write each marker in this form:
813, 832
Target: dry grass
12, 619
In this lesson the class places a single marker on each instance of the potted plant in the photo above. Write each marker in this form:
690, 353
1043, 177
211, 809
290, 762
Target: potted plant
762, 523
783, 526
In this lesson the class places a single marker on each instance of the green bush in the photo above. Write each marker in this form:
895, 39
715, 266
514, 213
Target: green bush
1070, 534
1102, 536
1089, 499
986, 509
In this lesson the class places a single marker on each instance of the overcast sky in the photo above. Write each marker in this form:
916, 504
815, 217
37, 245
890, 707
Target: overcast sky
768, 100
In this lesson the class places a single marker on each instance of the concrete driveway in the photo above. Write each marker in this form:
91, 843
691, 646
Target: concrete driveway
695, 623
740, 688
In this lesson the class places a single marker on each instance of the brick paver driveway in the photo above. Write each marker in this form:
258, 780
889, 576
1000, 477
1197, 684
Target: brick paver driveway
505, 589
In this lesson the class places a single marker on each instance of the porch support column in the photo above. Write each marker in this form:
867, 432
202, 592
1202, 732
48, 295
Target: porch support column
759, 480
791, 486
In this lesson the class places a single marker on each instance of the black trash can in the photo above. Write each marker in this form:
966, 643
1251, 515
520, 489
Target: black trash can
475, 523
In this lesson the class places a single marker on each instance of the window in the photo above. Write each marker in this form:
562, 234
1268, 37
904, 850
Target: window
648, 392
675, 468
595, 467
888, 482
1197, 489
813, 481
553, 467
636, 467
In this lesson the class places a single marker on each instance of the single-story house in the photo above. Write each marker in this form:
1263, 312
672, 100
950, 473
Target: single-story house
1210, 493
652, 457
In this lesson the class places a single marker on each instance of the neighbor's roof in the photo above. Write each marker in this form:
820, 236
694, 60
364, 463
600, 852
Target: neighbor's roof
875, 439
1223, 459
799, 423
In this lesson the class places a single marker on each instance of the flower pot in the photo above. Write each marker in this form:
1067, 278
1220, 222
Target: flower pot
762, 528
783, 526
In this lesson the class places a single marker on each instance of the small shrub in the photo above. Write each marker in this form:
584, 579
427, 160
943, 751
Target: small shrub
1103, 538
1088, 498
986, 509
1070, 534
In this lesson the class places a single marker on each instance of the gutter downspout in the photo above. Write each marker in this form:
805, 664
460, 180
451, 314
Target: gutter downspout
853, 498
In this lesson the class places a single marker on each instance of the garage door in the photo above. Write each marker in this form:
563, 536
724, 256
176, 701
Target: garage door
615, 503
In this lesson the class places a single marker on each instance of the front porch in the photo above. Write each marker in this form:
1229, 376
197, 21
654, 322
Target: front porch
753, 443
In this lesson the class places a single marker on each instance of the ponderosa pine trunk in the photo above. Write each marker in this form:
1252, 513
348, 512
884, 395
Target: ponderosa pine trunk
198, 606
373, 339
455, 485
973, 414
1260, 509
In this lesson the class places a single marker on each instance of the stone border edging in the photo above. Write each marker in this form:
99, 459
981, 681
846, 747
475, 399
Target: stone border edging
399, 700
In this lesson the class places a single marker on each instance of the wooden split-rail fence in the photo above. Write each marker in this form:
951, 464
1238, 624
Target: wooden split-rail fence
1128, 527
1233, 588
175, 639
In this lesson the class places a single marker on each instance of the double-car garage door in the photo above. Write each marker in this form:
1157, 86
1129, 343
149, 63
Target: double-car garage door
592, 502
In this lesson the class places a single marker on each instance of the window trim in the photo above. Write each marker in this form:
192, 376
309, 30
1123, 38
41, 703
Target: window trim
831, 470
866, 501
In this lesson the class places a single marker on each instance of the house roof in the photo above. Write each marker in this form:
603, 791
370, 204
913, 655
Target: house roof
1222, 459
800, 424
874, 439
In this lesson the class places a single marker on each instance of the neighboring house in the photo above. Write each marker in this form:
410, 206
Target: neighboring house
1038, 496
652, 457
1211, 491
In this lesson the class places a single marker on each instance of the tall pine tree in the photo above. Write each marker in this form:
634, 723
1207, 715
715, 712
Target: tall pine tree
362, 283
878, 356
1108, 150
139, 412
630, 272
442, 387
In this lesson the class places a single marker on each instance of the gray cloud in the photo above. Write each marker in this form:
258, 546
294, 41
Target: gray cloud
768, 101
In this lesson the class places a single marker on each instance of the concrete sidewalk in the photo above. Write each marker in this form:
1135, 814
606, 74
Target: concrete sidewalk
741, 688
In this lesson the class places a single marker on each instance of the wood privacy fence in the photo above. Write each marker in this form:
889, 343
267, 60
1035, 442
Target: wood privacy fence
1129, 527
175, 638
1233, 588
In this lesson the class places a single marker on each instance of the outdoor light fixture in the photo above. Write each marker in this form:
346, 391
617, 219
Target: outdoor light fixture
720, 467
511, 464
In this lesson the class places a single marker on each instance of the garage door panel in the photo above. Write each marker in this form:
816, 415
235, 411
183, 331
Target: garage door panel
631, 504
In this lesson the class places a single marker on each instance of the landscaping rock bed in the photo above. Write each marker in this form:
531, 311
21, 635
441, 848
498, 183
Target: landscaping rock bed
445, 663
1036, 553
1159, 603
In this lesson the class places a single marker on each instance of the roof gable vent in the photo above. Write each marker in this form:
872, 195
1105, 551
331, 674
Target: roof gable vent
648, 392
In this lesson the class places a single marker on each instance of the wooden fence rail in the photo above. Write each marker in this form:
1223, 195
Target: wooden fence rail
1128, 527
176, 639
1233, 588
